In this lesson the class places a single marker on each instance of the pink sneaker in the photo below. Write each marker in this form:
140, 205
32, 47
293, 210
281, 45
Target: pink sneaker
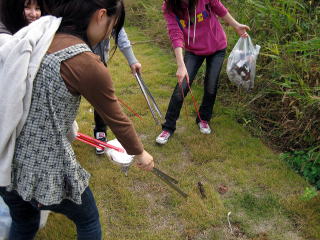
204, 127
163, 137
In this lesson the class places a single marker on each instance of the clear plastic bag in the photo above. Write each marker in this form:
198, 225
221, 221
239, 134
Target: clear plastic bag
241, 67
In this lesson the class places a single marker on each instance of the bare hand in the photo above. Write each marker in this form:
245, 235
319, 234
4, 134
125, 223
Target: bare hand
136, 68
182, 73
241, 30
144, 161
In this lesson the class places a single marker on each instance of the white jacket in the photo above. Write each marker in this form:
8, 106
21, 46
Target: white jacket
4, 37
20, 58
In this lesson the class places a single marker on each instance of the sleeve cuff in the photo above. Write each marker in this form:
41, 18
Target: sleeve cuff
176, 44
128, 53
221, 10
222, 13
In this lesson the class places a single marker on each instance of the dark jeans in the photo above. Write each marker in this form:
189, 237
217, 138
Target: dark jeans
193, 63
100, 125
26, 216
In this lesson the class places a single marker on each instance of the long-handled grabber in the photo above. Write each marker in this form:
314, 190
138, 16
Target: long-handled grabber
171, 182
120, 157
154, 109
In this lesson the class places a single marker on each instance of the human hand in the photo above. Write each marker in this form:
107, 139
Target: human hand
182, 73
136, 68
241, 30
144, 161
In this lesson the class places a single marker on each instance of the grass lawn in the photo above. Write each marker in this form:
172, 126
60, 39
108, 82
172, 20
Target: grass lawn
239, 173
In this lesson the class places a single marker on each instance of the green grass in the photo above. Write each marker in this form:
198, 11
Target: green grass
263, 193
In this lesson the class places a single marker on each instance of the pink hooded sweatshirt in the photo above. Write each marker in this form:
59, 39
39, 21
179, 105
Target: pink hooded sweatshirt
200, 33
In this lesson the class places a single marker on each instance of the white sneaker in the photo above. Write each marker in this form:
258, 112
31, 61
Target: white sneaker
204, 127
163, 137
102, 137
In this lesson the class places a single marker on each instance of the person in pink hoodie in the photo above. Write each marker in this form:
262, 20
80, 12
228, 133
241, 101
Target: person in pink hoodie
193, 25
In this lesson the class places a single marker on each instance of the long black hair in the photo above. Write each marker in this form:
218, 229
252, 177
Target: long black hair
76, 15
175, 6
12, 13
50, 5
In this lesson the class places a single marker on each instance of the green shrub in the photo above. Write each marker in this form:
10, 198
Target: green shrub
306, 163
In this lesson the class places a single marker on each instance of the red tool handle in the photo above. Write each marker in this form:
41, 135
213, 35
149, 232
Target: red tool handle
96, 143
90, 143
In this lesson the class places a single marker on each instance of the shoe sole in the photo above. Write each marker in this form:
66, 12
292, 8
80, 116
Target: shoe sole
202, 131
205, 132
161, 143
99, 152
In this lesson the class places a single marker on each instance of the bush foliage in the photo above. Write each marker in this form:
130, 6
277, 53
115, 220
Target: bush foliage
306, 163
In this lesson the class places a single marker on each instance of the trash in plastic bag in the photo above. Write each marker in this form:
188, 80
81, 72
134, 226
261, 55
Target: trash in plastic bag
5, 220
241, 67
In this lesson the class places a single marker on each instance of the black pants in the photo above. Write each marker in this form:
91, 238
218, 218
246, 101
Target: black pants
193, 63
100, 125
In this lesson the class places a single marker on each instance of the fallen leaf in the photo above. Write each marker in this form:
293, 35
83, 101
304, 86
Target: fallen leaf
222, 189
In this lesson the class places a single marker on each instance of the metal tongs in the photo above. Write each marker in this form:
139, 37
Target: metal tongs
154, 109
170, 181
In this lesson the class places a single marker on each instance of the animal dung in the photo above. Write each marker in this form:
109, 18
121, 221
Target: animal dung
201, 190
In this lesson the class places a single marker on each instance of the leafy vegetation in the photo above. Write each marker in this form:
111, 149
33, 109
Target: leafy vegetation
306, 164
